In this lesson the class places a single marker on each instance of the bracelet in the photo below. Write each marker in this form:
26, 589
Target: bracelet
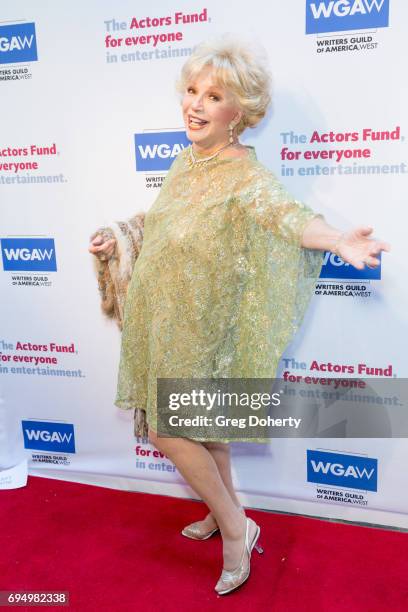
336, 244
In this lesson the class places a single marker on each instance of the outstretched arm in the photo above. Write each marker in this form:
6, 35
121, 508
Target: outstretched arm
354, 247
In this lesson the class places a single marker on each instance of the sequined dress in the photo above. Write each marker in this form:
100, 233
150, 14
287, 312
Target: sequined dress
221, 283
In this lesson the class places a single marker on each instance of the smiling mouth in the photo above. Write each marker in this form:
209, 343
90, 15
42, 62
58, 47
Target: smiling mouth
196, 123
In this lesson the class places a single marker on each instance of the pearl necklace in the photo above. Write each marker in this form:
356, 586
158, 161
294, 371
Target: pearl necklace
194, 160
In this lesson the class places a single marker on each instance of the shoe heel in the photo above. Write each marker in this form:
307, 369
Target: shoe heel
257, 544
259, 548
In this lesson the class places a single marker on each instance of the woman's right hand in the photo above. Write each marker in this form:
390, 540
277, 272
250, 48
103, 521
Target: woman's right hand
101, 248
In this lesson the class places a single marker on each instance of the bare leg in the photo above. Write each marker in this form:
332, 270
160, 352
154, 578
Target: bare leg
221, 455
196, 464
220, 452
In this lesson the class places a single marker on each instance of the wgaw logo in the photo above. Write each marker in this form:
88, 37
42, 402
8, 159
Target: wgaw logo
157, 150
335, 267
18, 43
43, 435
28, 254
350, 471
342, 15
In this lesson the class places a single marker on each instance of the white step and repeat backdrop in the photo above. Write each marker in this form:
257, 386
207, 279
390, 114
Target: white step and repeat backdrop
90, 124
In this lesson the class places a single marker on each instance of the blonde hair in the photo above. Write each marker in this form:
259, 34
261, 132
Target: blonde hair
239, 69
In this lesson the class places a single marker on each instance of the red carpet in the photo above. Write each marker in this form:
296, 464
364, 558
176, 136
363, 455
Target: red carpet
115, 550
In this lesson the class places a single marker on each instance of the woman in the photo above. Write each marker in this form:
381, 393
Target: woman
228, 266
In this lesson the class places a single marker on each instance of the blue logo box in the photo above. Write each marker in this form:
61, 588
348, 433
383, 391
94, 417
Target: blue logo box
342, 470
342, 15
157, 150
28, 254
335, 267
18, 43
46, 436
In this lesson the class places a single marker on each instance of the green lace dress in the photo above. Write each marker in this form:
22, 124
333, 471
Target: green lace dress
221, 283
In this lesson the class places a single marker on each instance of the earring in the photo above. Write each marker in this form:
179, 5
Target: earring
231, 135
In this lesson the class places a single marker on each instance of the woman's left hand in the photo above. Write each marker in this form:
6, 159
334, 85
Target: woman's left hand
356, 248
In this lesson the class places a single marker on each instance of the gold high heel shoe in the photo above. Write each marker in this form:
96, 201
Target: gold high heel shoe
195, 532
230, 580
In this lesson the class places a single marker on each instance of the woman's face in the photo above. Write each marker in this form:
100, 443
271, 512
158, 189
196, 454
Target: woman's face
208, 109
